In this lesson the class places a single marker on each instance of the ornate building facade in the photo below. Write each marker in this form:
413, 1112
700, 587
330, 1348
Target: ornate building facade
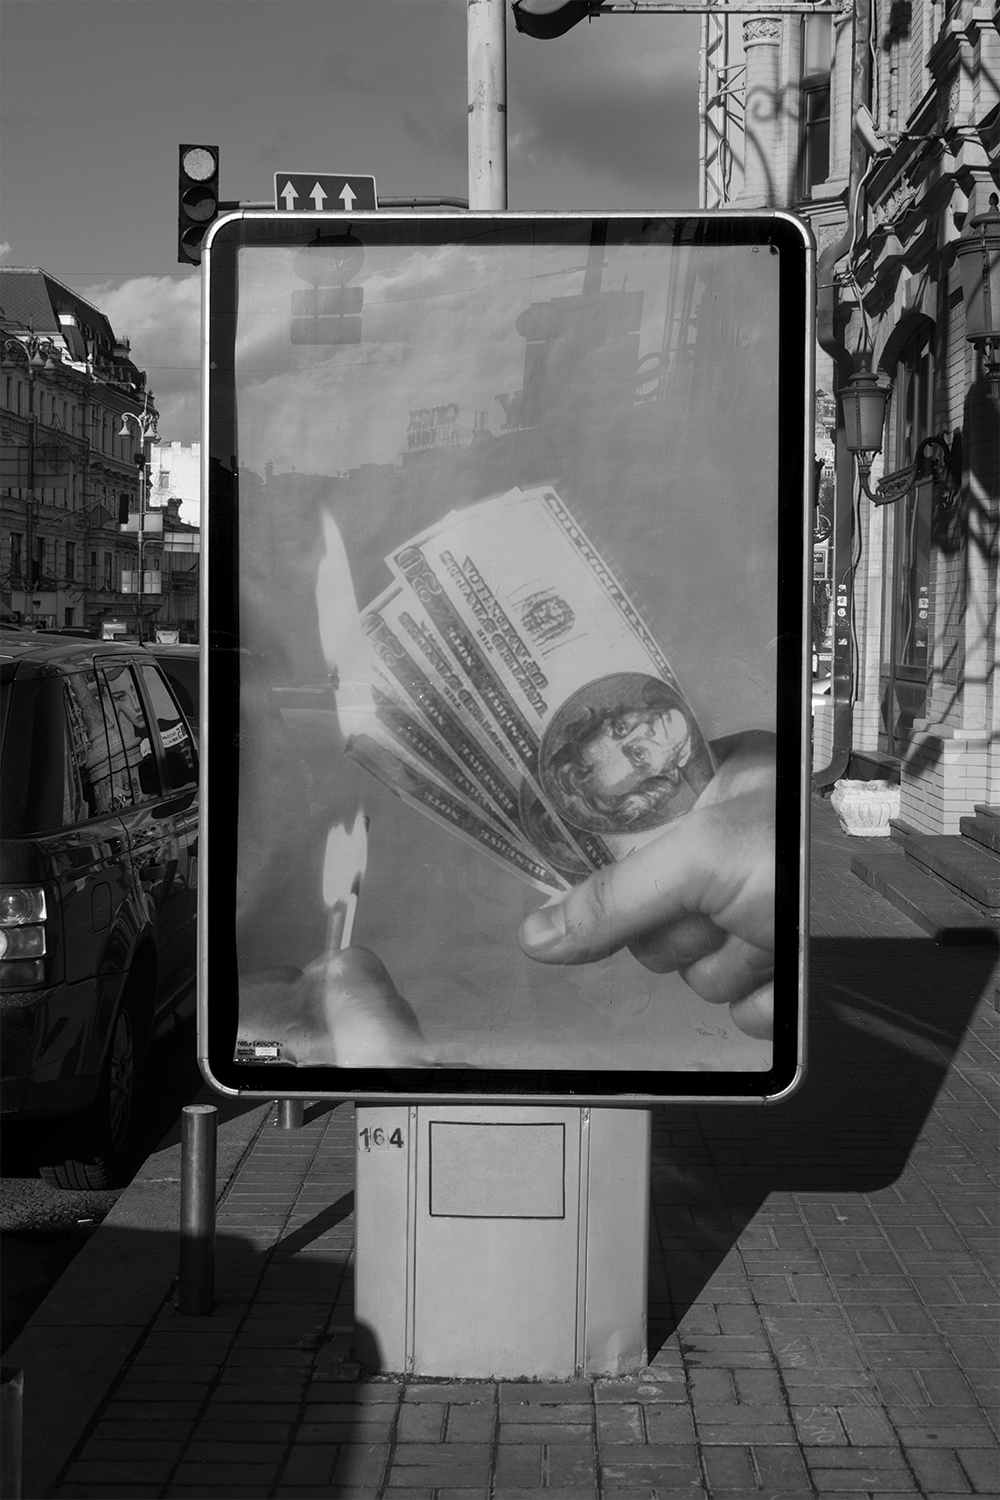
879, 123
77, 418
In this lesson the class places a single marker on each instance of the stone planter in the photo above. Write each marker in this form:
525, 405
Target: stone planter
865, 807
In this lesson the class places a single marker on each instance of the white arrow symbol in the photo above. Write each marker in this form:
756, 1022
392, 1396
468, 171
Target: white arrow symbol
317, 195
347, 197
289, 194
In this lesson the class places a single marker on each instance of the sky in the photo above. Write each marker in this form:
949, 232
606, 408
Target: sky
98, 94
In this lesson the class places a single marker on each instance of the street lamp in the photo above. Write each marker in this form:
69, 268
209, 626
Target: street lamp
145, 423
978, 253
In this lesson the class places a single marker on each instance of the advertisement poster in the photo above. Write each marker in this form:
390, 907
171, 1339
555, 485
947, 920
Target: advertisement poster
503, 513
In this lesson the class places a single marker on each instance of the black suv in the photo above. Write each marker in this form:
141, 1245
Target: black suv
98, 858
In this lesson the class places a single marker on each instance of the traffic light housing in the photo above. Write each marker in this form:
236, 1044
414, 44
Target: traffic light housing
550, 18
197, 199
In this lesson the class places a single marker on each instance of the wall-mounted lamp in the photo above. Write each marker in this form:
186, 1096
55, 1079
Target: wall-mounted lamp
863, 403
978, 253
939, 459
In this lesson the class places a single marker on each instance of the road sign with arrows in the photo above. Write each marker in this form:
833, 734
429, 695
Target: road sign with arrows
308, 192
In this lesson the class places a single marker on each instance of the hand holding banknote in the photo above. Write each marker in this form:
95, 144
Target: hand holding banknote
698, 900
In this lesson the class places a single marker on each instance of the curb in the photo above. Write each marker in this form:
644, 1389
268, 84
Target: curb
93, 1316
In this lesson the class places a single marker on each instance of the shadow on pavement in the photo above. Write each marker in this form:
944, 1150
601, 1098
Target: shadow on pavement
886, 1019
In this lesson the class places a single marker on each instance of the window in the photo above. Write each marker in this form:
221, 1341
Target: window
134, 732
70, 566
17, 554
90, 790
174, 733
814, 102
92, 571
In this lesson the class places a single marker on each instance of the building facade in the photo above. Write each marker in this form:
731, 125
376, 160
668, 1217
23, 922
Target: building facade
879, 123
75, 478
175, 491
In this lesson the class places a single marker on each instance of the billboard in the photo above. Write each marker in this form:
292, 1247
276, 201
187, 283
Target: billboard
506, 583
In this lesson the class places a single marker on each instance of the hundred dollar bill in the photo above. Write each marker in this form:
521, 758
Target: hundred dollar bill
409, 680
580, 690
405, 638
416, 786
426, 715
413, 631
393, 724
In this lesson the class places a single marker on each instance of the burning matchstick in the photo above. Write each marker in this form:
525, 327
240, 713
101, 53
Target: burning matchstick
343, 869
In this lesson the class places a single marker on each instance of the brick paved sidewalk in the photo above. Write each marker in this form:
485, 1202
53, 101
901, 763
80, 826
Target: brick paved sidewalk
822, 1315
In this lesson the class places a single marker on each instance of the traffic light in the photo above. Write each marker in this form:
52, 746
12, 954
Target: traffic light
197, 199
549, 18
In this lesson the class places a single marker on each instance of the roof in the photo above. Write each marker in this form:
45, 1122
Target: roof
38, 654
32, 299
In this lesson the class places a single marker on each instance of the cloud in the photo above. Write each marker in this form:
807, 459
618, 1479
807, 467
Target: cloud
161, 317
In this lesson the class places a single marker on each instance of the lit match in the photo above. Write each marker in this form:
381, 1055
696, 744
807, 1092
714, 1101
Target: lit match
343, 870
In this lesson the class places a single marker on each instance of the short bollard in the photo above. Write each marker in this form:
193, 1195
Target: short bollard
197, 1247
11, 1432
291, 1113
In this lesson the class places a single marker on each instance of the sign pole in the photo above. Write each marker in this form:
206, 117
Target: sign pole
487, 74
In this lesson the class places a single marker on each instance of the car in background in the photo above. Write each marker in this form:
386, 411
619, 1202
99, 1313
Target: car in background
98, 876
180, 665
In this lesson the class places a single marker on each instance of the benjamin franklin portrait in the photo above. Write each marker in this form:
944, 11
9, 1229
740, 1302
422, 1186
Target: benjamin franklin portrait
623, 755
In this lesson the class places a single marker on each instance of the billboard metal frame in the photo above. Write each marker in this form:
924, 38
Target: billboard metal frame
220, 687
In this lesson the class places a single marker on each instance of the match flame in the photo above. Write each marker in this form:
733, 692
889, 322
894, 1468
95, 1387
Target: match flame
344, 864
345, 646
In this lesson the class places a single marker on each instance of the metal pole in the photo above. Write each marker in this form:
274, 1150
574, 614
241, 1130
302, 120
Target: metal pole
139, 540
487, 74
291, 1113
11, 1432
197, 1241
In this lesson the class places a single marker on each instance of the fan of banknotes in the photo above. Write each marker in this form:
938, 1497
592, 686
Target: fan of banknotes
518, 698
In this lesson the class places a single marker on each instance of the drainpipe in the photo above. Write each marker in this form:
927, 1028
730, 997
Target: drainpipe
831, 318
